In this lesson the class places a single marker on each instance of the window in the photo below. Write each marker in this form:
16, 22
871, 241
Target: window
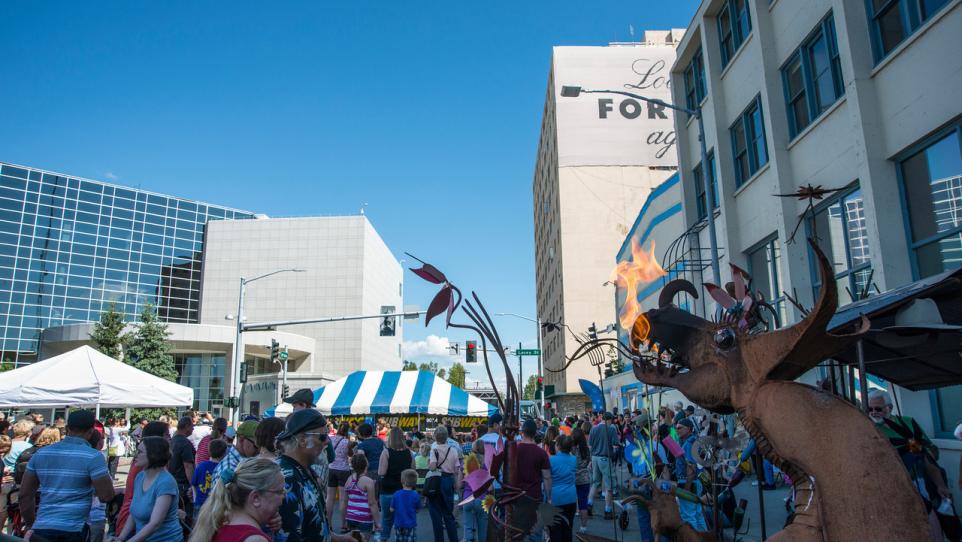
734, 25
695, 81
894, 20
841, 233
812, 77
700, 186
748, 142
764, 267
932, 187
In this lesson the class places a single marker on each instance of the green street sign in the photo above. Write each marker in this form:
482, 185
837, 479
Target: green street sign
282, 356
528, 352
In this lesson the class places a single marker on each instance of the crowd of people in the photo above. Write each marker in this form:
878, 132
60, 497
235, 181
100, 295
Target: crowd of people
199, 479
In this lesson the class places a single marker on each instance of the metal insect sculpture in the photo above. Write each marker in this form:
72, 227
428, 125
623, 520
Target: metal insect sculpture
812, 194
513, 515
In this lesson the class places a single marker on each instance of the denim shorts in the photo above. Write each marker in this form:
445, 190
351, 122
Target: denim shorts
362, 526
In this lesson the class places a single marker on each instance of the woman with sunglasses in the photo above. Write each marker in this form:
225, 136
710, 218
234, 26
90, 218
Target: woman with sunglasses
242, 501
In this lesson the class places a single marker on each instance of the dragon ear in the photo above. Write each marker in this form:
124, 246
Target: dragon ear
720, 295
788, 353
739, 279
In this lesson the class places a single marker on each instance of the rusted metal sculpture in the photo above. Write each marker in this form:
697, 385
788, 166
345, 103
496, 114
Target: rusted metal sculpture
514, 515
849, 482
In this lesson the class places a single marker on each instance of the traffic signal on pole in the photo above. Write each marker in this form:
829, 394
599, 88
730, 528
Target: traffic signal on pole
470, 351
285, 391
275, 349
593, 331
243, 372
540, 385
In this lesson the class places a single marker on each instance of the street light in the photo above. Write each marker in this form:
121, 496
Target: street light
538, 322
575, 91
232, 391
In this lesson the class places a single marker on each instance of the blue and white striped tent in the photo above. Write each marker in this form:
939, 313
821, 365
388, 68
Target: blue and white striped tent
396, 392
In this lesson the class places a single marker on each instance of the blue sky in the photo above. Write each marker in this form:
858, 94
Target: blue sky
428, 112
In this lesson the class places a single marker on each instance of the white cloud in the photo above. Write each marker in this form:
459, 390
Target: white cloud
432, 346
110, 175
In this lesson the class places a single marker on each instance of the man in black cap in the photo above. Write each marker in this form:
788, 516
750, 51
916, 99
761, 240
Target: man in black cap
302, 398
303, 512
69, 473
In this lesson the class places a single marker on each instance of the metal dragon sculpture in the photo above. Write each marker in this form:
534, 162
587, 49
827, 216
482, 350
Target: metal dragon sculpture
849, 482
513, 515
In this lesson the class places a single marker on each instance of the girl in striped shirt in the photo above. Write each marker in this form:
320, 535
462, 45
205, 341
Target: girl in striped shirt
361, 509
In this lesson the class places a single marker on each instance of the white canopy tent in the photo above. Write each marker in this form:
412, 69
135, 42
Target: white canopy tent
86, 377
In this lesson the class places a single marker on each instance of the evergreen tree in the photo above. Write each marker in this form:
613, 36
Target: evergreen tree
107, 335
409, 366
148, 347
530, 387
457, 375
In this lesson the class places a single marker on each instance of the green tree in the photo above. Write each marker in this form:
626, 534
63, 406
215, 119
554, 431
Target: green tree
530, 387
108, 333
148, 347
457, 375
432, 367
6, 365
409, 366
149, 350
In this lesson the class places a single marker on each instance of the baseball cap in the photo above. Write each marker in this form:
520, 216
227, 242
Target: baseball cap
231, 432
303, 395
246, 429
687, 423
302, 421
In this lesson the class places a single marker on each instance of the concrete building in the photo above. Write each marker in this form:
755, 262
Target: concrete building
70, 247
846, 94
597, 161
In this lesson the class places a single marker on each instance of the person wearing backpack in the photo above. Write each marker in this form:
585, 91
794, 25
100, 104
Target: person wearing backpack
443, 479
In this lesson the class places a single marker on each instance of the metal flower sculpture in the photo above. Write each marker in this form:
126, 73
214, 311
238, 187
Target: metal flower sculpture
520, 517
812, 194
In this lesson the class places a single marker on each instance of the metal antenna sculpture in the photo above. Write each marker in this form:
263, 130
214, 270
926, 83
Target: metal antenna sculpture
522, 515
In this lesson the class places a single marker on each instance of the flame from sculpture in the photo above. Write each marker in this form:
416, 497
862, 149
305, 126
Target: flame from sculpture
641, 269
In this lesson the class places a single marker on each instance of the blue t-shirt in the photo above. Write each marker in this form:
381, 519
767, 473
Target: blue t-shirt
66, 471
142, 506
203, 482
372, 448
563, 469
405, 504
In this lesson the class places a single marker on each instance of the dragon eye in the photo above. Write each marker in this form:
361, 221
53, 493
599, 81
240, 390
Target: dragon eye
725, 338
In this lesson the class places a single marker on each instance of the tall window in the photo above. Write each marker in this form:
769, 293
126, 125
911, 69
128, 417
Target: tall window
734, 25
749, 145
894, 20
764, 267
932, 183
700, 186
841, 233
695, 81
812, 77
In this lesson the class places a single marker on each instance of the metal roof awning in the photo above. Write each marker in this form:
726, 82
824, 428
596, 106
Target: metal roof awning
919, 361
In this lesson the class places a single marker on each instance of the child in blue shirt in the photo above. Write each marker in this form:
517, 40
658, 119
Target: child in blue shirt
203, 479
404, 506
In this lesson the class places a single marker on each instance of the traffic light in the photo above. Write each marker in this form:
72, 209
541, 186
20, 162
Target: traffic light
275, 349
593, 331
243, 372
539, 386
388, 325
285, 391
471, 352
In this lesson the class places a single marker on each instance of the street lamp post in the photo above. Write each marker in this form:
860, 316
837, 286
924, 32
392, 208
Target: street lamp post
234, 384
574, 92
521, 384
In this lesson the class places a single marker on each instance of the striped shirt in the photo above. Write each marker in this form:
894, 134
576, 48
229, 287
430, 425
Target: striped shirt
358, 507
66, 471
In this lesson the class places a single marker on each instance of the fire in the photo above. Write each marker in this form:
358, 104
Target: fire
639, 332
641, 269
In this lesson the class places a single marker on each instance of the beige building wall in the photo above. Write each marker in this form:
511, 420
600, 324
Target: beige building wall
584, 207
